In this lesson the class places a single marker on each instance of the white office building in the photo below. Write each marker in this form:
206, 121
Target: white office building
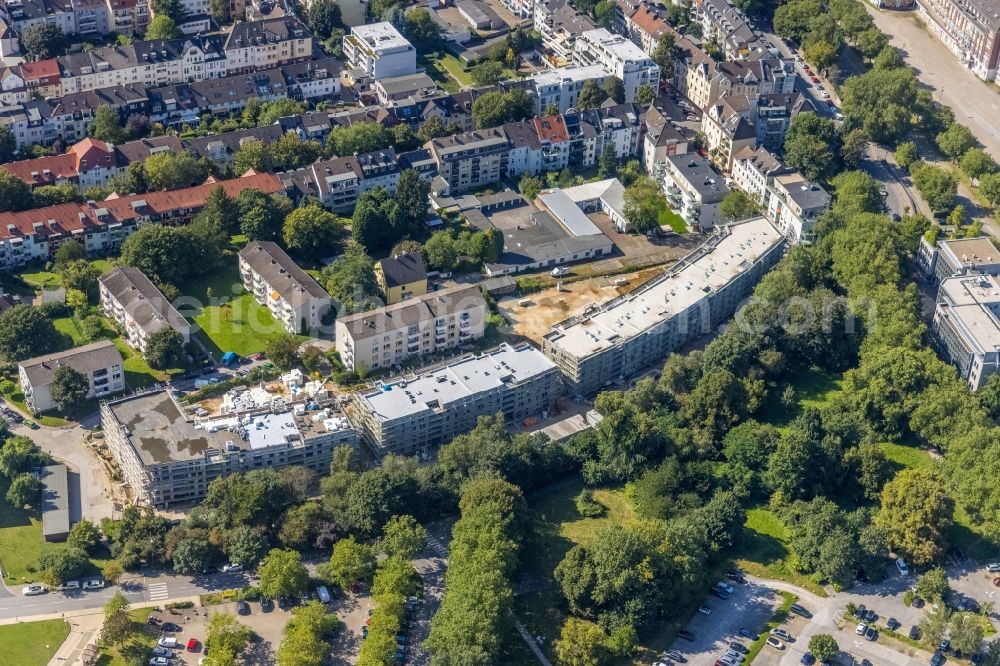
620, 57
379, 50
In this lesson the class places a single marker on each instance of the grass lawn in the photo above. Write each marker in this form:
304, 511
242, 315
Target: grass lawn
765, 550
902, 457
455, 69
230, 319
813, 388
32, 643
668, 218
140, 642
20, 541
41, 278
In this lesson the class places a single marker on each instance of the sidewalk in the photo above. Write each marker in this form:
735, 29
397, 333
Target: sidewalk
87, 612
83, 631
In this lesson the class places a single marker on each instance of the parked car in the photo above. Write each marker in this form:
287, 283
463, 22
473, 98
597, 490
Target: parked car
94, 584
170, 627
945, 645
861, 629
808, 659
675, 655
993, 567
685, 634
243, 608
722, 594
859, 611
34, 590
31, 424
871, 634
892, 624
259, 356
167, 642
814, 79
775, 643
162, 652
734, 656
323, 594
159, 661
725, 586
914, 633
746, 633
231, 568
799, 610
918, 602
739, 647
728, 661
937, 658
870, 616
704, 610
782, 634
736, 576
560, 271
69, 585
266, 605
192, 645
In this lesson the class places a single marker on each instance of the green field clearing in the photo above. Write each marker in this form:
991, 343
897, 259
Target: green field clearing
668, 218
765, 550
813, 388
20, 540
32, 643
230, 319
138, 643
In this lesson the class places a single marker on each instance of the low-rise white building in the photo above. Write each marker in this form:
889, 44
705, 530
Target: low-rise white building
379, 51
694, 189
277, 282
100, 362
140, 309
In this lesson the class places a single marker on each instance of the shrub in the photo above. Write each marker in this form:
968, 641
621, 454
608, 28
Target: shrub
587, 506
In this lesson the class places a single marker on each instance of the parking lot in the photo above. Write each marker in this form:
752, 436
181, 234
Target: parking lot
751, 606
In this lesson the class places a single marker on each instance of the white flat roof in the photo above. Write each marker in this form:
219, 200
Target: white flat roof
971, 300
380, 35
266, 430
660, 300
575, 73
568, 214
622, 48
465, 378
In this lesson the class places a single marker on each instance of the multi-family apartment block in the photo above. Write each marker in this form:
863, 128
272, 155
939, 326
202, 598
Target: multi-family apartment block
610, 342
959, 256
620, 57
966, 326
338, 183
560, 25
277, 282
166, 459
694, 189
379, 51
138, 307
433, 323
727, 26
100, 362
401, 277
560, 88
101, 227
662, 138
413, 413
471, 160
970, 29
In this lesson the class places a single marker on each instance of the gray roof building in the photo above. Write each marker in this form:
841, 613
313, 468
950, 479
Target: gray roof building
85, 360
283, 275
55, 503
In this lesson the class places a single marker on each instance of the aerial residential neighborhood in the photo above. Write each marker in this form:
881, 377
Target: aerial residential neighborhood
499, 332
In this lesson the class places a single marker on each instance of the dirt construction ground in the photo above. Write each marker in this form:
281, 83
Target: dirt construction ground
549, 307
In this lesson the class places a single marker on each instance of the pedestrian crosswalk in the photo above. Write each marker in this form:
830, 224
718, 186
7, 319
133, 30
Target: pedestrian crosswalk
158, 591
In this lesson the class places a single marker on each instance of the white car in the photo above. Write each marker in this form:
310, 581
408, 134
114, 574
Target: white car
34, 590
723, 585
69, 585
94, 584
838, 115
824, 94
560, 271
861, 629
775, 643
903, 569
231, 568
704, 610
167, 642
159, 661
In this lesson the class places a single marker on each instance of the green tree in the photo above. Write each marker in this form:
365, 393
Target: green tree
738, 205
360, 138
989, 187
59, 564
496, 108
43, 40
107, 125
221, 211
171, 171
311, 231
608, 165
192, 556
118, 625
283, 107
645, 95
907, 154
323, 17
884, 102
643, 203
24, 490
936, 185
933, 585
15, 194
591, 95
304, 643
252, 155
19, 454
793, 19
378, 220
529, 186
350, 563
85, 536
290, 152
282, 350
52, 195
824, 647
245, 545
955, 141
403, 537
282, 574
8, 145
665, 55
69, 387
80, 275
821, 53
934, 625
857, 192
433, 128
976, 162
966, 632
581, 643
351, 279
164, 349
487, 73
299, 527
422, 31
26, 332
67, 254
614, 88
871, 42
159, 251
163, 27
261, 215
813, 146
412, 197
226, 637
916, 514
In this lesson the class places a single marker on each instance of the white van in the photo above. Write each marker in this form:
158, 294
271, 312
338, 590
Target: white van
323, 594
903, 569
560, 271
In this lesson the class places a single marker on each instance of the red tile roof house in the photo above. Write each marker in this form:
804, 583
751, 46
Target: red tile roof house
102, 226
88, 163
42, 76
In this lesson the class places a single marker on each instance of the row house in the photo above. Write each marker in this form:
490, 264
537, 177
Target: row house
85, 18
101, 227
253, 45
727, 27
89, 163
338, 183
738, 121
128, 17
705, 80
646, 25
791, 202
559, 24
620, 57
12, 87
662, 138
71, 115
41, 77
184, 103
